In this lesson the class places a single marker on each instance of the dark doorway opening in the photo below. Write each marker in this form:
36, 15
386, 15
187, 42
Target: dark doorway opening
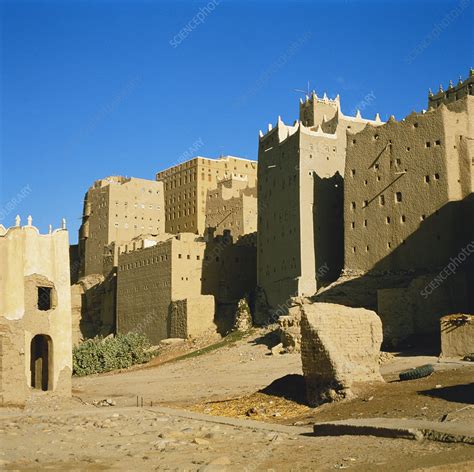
44, 298
40, 359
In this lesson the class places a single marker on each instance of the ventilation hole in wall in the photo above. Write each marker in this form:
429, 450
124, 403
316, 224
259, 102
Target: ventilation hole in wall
365, 223
427, 144
366, 248
438, 142
422, 217
353, 225
436, 176
389, 245
403, 218
398, 197
427, 179
387, 220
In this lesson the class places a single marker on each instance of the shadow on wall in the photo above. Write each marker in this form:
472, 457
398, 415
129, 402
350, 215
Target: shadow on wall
229, 273
328, 224
413, 286
98, 308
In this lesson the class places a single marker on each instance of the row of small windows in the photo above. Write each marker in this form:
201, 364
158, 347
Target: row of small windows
136, 218
415, 125
436, 143
398, 199
389, 245
388, 220
128, 291
188, 256
145, 262
177, 182
140, 205
427, 178
183, 196
367, 248
178, 214
126, 226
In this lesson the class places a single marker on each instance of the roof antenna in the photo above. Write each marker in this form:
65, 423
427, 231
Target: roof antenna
304, 92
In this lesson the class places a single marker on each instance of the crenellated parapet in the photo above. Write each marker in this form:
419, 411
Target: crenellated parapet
453, 92
7, 232
327, 128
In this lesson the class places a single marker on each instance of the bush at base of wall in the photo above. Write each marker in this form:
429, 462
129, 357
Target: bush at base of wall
102, 355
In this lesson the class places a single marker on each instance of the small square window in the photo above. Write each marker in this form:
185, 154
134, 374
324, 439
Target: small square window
387, 220
398, 197
427, 179
353, 172
45, 298
438, 142
436, 176
427, 144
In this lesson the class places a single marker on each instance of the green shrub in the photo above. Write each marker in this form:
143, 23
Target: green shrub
101, 355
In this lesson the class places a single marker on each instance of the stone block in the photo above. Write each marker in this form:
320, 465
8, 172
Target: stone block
340, 346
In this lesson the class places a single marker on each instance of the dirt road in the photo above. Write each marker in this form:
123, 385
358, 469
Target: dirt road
52, 434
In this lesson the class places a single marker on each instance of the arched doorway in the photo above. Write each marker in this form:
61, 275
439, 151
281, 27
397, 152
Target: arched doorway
39, 363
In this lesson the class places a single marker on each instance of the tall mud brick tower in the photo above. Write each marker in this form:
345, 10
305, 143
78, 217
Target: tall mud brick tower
300, 189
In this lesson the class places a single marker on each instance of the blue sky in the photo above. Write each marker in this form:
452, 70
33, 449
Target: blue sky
97, 88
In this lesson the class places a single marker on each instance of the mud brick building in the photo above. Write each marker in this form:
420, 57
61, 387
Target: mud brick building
186, 186
35, 313
300, 191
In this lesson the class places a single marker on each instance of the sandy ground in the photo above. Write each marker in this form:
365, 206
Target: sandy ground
231, 371
52, 434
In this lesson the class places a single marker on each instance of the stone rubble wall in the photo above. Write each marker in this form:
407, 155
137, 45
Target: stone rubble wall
457, 335
290, 330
